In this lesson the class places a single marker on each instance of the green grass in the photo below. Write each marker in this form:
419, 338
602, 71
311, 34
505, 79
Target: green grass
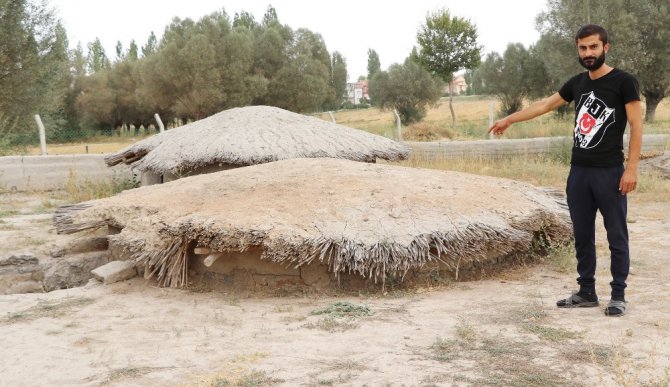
339, 316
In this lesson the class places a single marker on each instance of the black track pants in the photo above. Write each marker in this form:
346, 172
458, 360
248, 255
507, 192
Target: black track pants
590, 189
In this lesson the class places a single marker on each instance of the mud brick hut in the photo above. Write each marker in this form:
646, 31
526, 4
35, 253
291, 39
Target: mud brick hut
318, 221
247, 136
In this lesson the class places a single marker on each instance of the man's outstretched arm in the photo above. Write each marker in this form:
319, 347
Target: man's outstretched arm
535, 109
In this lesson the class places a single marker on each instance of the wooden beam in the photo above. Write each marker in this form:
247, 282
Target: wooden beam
209, 261
202, 250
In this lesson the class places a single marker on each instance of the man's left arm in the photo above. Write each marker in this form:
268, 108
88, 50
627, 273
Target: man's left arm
628, 181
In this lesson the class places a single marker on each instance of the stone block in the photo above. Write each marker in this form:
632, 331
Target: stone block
115, 271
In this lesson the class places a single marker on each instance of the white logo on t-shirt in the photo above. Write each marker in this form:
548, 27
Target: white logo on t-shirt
593, 119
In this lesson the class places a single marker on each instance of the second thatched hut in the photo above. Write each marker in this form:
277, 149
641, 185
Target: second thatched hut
247, 136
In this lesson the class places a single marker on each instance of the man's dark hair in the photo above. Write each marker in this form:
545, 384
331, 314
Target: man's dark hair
592, 29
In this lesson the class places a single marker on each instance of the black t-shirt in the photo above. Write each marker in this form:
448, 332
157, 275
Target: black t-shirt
600, 116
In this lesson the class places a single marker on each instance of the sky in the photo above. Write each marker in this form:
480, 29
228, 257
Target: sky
350, 27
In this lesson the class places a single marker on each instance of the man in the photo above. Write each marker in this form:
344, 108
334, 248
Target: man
605, 99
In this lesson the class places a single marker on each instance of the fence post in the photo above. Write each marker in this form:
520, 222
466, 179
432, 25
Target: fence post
43, 136
398, 124
332, 117
161, 128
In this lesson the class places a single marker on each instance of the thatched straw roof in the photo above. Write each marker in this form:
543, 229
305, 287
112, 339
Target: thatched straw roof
370, 219
254, 135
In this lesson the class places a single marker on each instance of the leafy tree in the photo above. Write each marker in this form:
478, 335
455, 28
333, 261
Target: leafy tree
639, 36
338, 80
127, 109
96, 102
302, 84
270, 17
374, 64
97, 58
447, 44
78, 75
652, 64
33, 63
245, 19
133, 51
510, 77
474, 81
238, 83
408, 88
151, 45
120, 55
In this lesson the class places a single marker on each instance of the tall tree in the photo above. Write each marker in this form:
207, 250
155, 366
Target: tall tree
97, 58
374, 64
33, 62
338, 78
408, 88
96, 102
652, 64
244, 19
151, 45
133, 51
120, 55
303, 83
238, 82
447, 44
270, 17
75, 89
639, 35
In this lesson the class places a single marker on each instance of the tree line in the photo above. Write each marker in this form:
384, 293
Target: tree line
198, 68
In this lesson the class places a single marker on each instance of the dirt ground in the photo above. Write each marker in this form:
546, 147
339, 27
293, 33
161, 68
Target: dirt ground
504, 330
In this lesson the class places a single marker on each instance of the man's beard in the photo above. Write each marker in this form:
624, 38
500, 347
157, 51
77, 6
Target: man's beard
595, 65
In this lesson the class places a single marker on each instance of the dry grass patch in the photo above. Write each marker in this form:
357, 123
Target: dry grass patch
561, 258
129, 372
426, 132
77, 191
252, 379
237, 374
22, 241
344, 372
4, 226
497, 361
343, 309
50, 309
8, 213
331, 324
539, 171
652, 187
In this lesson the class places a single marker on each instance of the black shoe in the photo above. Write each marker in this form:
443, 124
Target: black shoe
579, 300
